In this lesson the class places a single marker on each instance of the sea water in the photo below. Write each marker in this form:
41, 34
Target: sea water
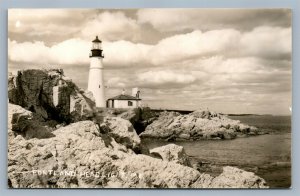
268, 156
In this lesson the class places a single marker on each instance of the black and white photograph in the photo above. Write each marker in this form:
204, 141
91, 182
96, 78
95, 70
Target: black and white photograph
163, 98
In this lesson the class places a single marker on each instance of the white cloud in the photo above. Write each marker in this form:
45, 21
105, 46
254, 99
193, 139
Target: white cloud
76, 51
267, 42
125, 53
27, 51
262, 42
71, 51
194, 44
165, 77
221, 65
112, 26
116, 82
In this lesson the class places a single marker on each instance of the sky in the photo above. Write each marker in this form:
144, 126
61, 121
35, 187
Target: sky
226, 60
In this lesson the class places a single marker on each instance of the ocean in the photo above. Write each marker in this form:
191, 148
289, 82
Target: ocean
268, 156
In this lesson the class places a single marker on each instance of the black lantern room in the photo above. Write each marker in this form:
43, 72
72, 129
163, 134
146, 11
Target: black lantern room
96, 50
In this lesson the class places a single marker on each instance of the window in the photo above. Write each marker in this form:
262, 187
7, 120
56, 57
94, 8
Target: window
130, 103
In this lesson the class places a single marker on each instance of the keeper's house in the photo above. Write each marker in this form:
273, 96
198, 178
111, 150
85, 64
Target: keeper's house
125, 101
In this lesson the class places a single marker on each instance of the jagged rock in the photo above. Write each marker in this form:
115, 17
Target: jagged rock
122, 131
21, 121
197, 125
233, 177
143, 171
171, 152
18, 117
130, 114
50, 95
140, 118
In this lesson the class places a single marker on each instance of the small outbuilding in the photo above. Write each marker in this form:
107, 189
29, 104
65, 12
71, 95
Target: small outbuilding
125, 101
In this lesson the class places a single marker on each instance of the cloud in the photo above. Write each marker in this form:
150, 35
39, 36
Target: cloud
230, 60
207, 19
238, 70
263, 42
76, 51
116, 82
125, 53
71, 51
268, 42
195, 44
166, 77
112, 26
222, 65
45, 24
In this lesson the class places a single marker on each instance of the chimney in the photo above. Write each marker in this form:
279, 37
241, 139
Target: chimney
135, 92
123, 92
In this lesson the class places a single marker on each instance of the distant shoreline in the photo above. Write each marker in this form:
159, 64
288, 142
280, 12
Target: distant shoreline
190, 111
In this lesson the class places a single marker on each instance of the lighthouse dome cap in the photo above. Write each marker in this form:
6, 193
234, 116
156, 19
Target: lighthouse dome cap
97, 40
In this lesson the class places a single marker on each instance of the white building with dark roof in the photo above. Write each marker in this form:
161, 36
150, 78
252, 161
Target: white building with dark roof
125, 101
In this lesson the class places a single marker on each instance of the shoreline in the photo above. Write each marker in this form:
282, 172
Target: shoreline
266, 170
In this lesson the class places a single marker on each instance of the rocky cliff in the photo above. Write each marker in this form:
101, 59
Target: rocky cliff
201, 124
50, 95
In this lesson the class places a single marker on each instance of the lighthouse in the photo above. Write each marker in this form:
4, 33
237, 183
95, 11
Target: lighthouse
96, 84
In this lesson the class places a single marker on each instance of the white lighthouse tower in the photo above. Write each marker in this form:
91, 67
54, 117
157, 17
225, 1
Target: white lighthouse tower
96, 84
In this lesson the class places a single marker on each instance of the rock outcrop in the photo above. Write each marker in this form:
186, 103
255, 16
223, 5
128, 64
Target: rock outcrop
232, 177
18, 117
23, 122
50, 95
122, 131
139, 117
83, 155
197, 125
172, 153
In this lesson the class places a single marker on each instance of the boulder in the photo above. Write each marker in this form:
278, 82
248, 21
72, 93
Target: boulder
140, 118
50, 95
18, 118
233, 177
22, 122
173, 153
142, 171
122, 131
159, 128
130, 114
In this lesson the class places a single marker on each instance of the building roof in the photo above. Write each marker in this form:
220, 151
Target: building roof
124, 97
97, 40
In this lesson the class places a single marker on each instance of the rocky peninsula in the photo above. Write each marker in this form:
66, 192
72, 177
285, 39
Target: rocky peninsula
200, 124
58, 139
